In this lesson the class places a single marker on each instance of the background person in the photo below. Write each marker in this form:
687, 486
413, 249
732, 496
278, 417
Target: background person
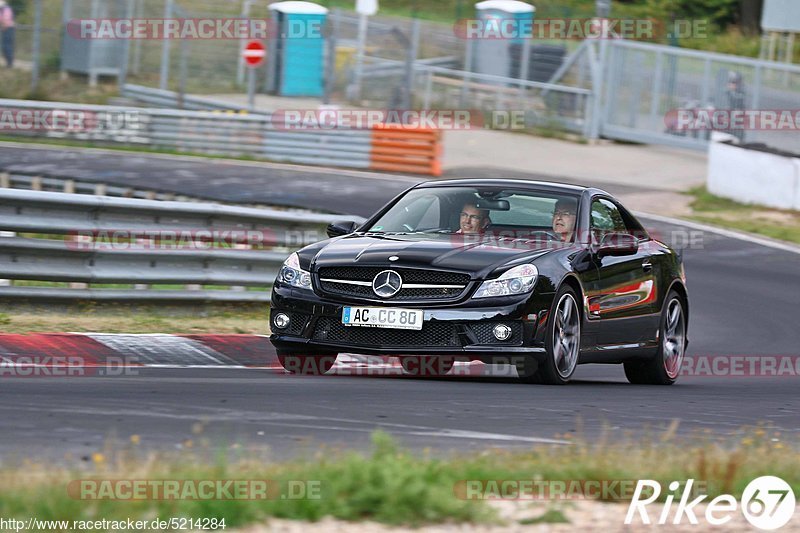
7, 32
735, 97
564, 215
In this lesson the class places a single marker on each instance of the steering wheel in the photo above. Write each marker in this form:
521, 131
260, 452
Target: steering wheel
551, 235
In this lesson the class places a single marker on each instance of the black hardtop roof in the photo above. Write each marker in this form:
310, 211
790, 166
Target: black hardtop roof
544, 186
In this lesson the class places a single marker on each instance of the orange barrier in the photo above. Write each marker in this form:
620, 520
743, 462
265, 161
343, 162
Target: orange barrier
403, 148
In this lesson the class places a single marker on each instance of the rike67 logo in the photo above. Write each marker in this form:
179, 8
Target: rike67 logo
768, 503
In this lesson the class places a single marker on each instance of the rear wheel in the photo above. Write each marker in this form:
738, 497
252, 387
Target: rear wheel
665, 366
427, 366
306, 364
563, 339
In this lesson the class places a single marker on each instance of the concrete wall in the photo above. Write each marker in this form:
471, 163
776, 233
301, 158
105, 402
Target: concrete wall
753, 177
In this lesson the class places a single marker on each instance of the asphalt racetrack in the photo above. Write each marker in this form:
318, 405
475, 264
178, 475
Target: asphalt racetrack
743, 302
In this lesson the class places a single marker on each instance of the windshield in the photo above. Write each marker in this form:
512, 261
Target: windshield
471, 210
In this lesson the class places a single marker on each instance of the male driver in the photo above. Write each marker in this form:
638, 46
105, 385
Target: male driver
473, 220
564, 218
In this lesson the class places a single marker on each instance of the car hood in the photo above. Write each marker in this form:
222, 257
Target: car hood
473, 254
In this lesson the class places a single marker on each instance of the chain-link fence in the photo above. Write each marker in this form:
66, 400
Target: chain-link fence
613, 88
651, 90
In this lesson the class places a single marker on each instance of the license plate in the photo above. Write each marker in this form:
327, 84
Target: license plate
382, 317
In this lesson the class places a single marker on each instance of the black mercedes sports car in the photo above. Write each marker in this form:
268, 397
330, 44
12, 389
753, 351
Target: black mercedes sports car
542, 276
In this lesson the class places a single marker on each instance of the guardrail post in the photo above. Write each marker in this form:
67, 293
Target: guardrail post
242, 42
80, 240
5, 180
428, 87
6, 282
69, 186
36, 183
164, 76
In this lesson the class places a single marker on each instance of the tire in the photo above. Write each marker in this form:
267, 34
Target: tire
528, 369
562, 340
306, 364
665, 365
427, 366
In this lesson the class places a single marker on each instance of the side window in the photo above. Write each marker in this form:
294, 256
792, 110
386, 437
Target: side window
606, 218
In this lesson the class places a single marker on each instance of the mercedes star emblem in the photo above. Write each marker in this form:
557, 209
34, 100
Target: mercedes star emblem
387, 283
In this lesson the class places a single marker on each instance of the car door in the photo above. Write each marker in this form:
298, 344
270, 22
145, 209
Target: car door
623, 296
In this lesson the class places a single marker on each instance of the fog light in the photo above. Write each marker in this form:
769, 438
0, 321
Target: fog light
281, 321
501, 332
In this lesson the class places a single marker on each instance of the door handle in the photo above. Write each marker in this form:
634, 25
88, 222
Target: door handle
647, 266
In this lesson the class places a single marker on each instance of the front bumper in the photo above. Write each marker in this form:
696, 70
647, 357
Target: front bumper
449, 329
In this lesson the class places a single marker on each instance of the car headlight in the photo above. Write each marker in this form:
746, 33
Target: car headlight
517, 280
293, 275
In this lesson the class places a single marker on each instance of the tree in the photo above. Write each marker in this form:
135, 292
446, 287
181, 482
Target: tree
721, 13
19, 6
751, 16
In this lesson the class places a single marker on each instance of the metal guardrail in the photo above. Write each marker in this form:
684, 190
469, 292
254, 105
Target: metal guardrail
33, 181
324, 147
210, 132
77, 258
350, 148
173, 100
375, 66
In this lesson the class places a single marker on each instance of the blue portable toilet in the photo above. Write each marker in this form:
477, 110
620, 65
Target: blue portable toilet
296, 52
504, 24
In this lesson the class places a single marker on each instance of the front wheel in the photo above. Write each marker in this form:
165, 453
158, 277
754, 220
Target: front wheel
306, 364
563, 339
665, 366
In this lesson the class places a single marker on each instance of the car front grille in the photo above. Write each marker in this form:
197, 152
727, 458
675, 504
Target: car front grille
443, 334
441, 285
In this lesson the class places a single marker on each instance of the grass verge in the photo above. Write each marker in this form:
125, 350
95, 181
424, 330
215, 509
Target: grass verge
16, 84
118, 318
123, 148
389, 485
775, 223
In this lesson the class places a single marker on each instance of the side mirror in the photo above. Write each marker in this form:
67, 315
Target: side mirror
617, 244
337, 229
